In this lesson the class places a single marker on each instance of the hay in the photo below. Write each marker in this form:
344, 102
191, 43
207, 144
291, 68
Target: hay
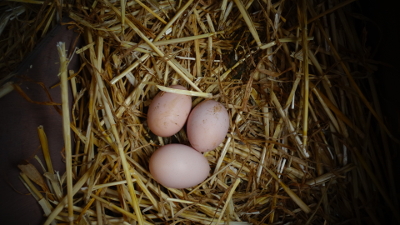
301, 146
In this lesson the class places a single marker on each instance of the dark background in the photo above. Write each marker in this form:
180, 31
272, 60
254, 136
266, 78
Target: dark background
384, 37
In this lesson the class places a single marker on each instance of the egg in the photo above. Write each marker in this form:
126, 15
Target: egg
207, 125
168, 112
178, 166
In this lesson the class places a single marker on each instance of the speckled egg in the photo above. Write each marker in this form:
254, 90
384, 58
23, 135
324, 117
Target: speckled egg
168, 112
207, 125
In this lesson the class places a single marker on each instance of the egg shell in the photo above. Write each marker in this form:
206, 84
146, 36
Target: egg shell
178, 166
207, 125
168, 112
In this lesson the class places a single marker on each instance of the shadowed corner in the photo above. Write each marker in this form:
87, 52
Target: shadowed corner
20, 119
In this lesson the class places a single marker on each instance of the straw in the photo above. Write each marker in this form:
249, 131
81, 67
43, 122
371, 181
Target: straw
232, 190
45, 148
155, 49
151, 11
66, 127
248, 21
185, 92
50, 171
43, 202
304, 32
6, 88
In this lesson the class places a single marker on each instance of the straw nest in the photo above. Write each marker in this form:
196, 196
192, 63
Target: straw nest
300, 148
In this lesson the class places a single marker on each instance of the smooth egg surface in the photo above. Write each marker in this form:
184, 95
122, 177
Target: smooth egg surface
207, 125
168, 112
178, 166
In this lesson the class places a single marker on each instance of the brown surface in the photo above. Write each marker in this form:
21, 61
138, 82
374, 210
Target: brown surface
19, 120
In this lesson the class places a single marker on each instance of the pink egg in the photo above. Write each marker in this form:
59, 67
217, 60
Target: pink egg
207, 125
178, 166
168, 112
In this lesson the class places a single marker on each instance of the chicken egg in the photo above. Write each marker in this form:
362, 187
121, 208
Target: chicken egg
178, 166
168, 112
207, 125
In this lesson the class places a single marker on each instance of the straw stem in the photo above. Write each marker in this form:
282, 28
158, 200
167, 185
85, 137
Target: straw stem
66, 127
306, 89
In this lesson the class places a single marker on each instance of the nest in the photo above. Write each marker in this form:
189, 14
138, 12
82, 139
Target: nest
292, 75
